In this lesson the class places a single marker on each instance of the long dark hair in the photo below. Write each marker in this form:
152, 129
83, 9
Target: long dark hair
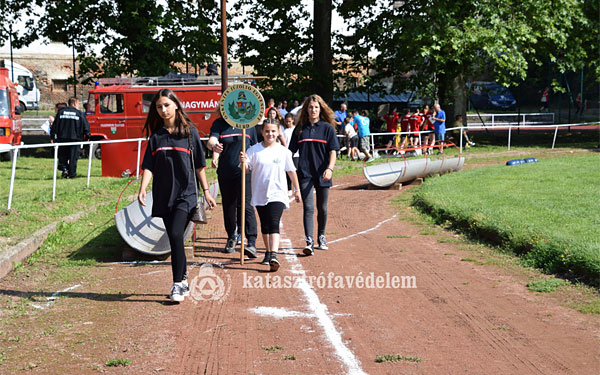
155, 122
326, 114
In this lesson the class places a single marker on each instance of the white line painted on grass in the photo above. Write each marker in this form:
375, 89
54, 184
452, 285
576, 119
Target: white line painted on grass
322, 315
364, 231
53, 297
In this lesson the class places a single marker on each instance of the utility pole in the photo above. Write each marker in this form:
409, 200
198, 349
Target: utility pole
74, 73
224, 77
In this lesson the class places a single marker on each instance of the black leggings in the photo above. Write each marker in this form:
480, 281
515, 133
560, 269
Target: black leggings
175, 225
306, 187
270, 216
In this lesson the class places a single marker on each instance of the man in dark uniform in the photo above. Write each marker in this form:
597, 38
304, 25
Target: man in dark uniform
69, 125
226, 141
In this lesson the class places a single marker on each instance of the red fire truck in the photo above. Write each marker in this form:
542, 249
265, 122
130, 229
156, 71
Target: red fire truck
10, 114
117, 109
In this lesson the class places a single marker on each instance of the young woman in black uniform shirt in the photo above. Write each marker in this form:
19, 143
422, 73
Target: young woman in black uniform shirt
168, 160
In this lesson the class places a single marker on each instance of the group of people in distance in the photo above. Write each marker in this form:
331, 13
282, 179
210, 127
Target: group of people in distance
304, 149
412, 123
355, 126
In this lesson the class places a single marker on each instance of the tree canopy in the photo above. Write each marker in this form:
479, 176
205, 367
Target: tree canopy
433, 46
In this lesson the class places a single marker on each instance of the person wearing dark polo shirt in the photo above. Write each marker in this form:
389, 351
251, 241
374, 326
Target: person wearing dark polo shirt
168, 163
315, 139
226, 140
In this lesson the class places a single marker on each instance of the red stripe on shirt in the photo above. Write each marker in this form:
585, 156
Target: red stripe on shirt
171, 149
233, 135
312, 140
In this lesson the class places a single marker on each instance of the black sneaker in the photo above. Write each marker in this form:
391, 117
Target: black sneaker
273, 263
309, 248
322, 243
230, 247
64, 174
266, 259
250, 251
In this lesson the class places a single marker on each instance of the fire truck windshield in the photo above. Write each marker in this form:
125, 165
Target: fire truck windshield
4, 110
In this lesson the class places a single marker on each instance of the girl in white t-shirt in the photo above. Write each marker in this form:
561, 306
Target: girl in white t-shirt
269, 162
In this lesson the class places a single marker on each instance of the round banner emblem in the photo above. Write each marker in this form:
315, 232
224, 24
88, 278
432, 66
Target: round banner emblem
242, 106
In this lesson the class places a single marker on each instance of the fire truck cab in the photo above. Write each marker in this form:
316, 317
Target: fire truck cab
117, 109
10, 114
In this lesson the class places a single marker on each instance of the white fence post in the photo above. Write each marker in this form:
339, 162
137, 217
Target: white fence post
555, 134
15, 153
509, 134
137, 165
55, 171
90, 156
461, 138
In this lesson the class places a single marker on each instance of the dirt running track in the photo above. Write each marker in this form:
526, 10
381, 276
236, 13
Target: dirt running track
461, 318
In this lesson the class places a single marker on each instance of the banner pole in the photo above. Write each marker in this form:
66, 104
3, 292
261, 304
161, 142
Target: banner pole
243, 223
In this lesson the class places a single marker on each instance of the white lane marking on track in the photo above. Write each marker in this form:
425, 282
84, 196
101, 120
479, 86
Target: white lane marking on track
334, 186
364, 231
53, 297
321, 313
279, 313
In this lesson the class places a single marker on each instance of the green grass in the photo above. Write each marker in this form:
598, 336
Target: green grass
545, 285
118, 362
397, 358
547, 212
32, 205
273, 348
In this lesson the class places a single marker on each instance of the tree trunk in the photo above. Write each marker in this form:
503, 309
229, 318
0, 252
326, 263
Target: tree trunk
322, 55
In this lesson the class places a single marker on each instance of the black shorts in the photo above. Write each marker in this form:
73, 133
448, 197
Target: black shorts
354, 141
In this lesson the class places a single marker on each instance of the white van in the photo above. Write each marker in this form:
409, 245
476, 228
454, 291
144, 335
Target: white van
29, 94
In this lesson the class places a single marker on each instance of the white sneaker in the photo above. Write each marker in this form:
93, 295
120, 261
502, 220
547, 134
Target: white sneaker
185, 287
177, 292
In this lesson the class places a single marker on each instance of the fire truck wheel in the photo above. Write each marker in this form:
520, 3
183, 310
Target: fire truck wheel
98, 152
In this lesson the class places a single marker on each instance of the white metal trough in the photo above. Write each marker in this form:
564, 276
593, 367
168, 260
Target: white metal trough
145, 233
387, 174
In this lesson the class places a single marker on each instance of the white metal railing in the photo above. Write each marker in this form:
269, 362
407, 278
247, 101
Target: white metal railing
494, 119
91, 144
15, 149
498, 127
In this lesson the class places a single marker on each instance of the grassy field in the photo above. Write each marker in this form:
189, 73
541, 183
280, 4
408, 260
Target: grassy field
547, 212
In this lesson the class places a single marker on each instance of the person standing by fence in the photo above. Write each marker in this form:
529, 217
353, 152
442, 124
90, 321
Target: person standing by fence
316, 140
173, 142
70, 125
439, 125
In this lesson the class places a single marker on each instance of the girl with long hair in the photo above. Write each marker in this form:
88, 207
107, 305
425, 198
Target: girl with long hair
315, 139
173, 141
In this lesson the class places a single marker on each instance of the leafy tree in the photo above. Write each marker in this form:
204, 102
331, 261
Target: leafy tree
443, 42
140, 37
278, 45
284, 44
12, 11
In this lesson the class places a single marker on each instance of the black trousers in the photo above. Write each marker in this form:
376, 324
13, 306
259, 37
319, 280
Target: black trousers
231, 193
67, 157
175, 224
308, 202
